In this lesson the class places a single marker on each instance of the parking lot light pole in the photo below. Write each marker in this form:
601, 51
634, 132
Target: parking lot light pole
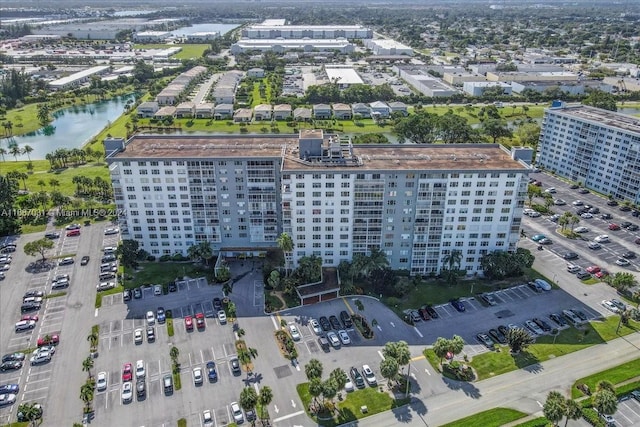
406, 393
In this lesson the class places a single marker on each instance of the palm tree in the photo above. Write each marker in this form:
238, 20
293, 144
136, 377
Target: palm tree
605, 401
27, 150
518, 340
452, 266
265, 397
41, 184
339, 377
3, 151
398, 350
87, 365
93, 339
50, 157
389, 369
554, 407
205, 251
23, 176
193, 252
313, 369
572, 410
329, 389
15, 151
86, 394
285, 243
54, 183
315, 388
248, 398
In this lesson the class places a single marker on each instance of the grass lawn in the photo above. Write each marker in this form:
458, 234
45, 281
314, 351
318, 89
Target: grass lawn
495, 417
101, 294
349, 408
615, 375
163, 272
537, 422
188, 51
569, 340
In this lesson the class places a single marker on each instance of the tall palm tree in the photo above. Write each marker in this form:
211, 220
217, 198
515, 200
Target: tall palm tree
54, 183
554, 407
285, 243
86, 394
3, 151
572, 410
248, 398
15, 151
93, 339
27, 150
87, 365
315, 388
51, 159
265, 397
23, 176
41, 184
204, 248
313, 369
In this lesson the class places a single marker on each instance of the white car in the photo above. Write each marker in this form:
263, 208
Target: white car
157, 290
622, 262
197, 375
7, 399
571, 268
237, 412
581, 230
104, 286
127, 392
40, 358
369, 375
535, 214
349, 385
151, 318
207, 419
344, 337
586, 215
295, 334
140, 372
25, 325
577, 203
137, 336
603, 238
111, 230
317, 329
559, 202
609, 306
333, 339
101, 381
222, 317
550, 190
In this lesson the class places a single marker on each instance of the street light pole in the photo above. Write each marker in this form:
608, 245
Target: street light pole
406, 393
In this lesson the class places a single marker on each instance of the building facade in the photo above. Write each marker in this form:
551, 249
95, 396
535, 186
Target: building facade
598, 148
416, 203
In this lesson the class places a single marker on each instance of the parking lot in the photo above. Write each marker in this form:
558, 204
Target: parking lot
628, 413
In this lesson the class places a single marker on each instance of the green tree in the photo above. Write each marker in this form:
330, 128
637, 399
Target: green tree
496, 128
315, 388
451, 266
605, 401
248, 398
389, 369
265, 397
554, 407
528, 133
43, 114
285, 243
86, 394
600, 99
622, 281
572, 410
87, 365
518, 340
419, 128
93, 339
313, 369
454, 129
127, 252
30, 412
15, 151
38, 247
329, 389
339, 377
28, 150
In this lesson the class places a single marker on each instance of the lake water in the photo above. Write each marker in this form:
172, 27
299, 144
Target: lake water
204, 28
71, 128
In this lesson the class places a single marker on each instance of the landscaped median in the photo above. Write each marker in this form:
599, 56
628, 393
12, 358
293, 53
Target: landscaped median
500, 361
100, 294
616, 375
350, 408
495, 417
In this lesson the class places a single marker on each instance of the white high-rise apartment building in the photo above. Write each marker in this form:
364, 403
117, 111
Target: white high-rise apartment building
598, 148
417, 203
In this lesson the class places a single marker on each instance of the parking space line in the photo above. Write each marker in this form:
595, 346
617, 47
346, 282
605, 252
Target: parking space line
36, 390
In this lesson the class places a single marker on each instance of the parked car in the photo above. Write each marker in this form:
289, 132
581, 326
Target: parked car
593, 269
197, 375
558, 319
137, 293
356, 377
217, 303
424, 313
333, 339
7, 399
344, 337
161, 315
609, 306
127, 392
458, 305
9, 388
538, 237
602, 273
579, 313
101, 381
534, 286
235, 366
570, 255
200, 324
489, 299
629, 255
295, 334
52, 235
533, 327
594, 245
543, 325
603, 238
188, 323
618, 304
485, 340
582, 229
222, 317
151, 334
543, 284
497, 336
623, 262
137, 336
105, 286
432, 312
11, 365
127, 372
315, 326
111, 230
84, 260
11, 357
24, 325
236, 411
614, 227
65, 261
369, 376
572, 268
140, 369
53, 339
151, 318
126, 295
324, 322
207, 419
212, 373
346, 319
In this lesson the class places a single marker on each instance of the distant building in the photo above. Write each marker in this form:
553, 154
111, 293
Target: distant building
478, 88
422, 79
572, 88
170, 94
204, 110
266, 30
459, 78
380, 109
282, 111
542, 76
243, 115
322, 111
255, 73
224, 91
262, 112
151, 36
388, 47
203, 37
185, 110
598, 148
344, 76
398, 107
342, 111
147, 109
223, 111
76, 79
284, 45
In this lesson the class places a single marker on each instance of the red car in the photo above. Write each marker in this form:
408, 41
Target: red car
73, 233
126, 372
602, 273
200, 320
49, 340
188, 323
28, 317
614, 227
593, 269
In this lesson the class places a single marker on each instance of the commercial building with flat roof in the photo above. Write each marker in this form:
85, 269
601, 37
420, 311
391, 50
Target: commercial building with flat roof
388, 47
598, 148
268, 31
76, 79
344, 76
417, 203
284, 45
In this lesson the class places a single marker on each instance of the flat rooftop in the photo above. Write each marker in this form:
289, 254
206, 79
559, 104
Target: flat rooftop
599, 116
445, 157
343, 76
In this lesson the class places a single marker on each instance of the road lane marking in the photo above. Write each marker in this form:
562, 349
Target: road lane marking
344, 300
286, 417
413, 359
418, 332
380, 354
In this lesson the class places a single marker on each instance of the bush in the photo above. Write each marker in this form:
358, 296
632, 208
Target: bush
179, 257
458, 371
363, 326
165, 258
591, 416
151, 258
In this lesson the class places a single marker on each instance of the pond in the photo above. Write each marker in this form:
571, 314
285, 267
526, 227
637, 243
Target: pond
71, 128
